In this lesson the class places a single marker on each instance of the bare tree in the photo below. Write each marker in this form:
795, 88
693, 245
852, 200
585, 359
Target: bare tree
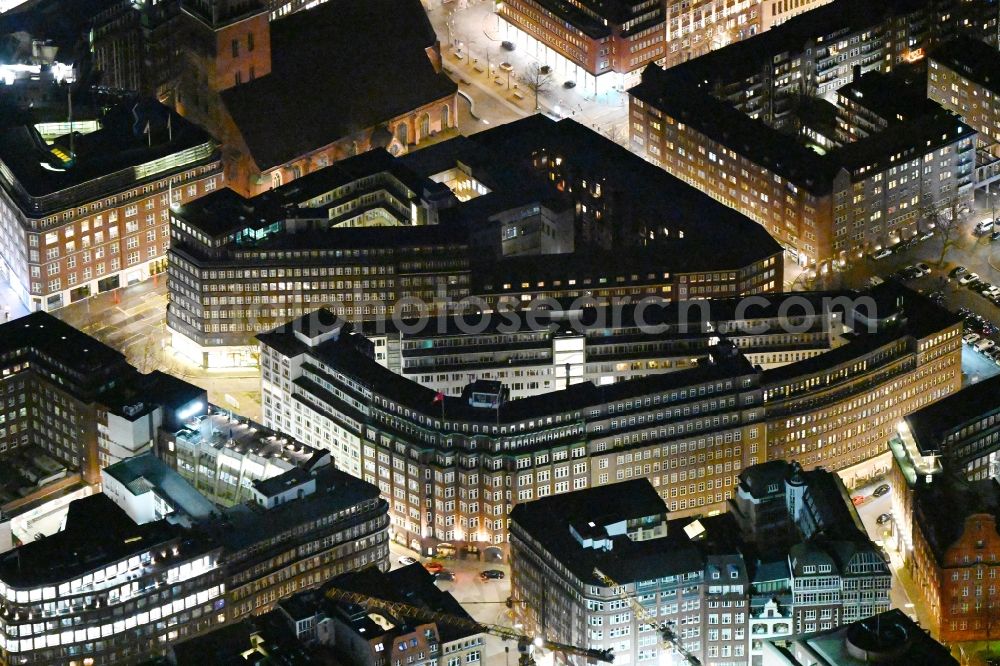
947, 217
538, 81
618, 134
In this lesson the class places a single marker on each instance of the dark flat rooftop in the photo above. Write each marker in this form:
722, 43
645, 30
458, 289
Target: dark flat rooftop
97, 534
889, 630
548, 521
119, 144
932, 423
412, 585
41, 332
918, 316
245, 524
901, 93
225, 211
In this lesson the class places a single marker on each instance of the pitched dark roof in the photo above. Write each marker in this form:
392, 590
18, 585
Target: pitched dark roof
337, 69
649, 192
972, 59
344, 355
941, 507
757, 478
679, 95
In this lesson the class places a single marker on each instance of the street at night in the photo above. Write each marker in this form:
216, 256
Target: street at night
500, 332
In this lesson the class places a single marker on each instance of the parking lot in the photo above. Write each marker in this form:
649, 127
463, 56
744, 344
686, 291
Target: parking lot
967, 293
484, 600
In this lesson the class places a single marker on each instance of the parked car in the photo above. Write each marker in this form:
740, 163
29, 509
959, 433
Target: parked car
858, 500
444, 574
924, 268
927, 235
506, 66
406, 561
508, 46
993, 355
957, 270
984, 344
881, 490
995, 235
433, 567
884, 518
970, 338
882, 254
569, 84
967, 278
984, 227
491, 574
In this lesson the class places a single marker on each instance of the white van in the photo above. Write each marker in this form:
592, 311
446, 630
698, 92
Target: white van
984, 227
984, 344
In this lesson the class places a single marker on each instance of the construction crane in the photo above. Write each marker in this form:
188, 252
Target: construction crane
668, 637
524, 642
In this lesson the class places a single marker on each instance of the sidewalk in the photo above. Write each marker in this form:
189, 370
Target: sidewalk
920, 607
475, 27
10, 306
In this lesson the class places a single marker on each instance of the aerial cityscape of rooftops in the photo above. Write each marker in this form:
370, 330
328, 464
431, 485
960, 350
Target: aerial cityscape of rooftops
451, 332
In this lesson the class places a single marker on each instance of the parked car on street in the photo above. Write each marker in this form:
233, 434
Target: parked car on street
993, 354
967, 278
970, 338
884, 518
984, 344
882, 254
881, 490
491, 574
957, 270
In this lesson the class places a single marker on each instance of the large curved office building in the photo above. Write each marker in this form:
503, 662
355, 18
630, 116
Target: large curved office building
703, 404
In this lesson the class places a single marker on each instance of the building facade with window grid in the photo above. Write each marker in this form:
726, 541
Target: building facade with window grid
99, 218
580, 562
452, 470
725, 124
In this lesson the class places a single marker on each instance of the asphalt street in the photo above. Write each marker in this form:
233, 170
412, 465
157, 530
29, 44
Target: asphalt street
133, 321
